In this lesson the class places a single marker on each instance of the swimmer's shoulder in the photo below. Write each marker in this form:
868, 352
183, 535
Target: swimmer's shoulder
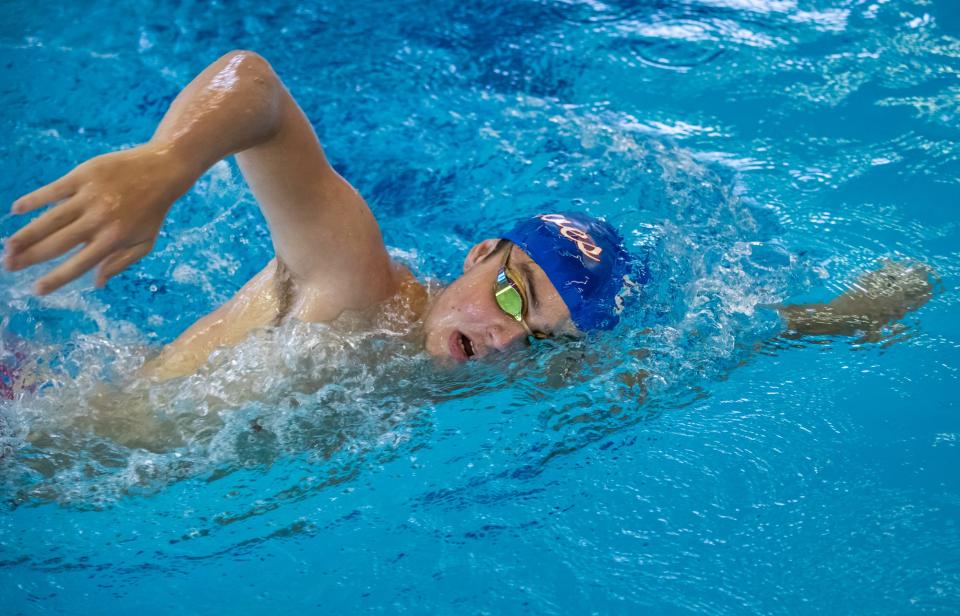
405, 307
271, 297
396, 291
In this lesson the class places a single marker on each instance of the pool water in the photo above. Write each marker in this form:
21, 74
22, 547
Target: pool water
763, 151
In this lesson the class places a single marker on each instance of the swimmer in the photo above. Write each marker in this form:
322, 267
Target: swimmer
557, 274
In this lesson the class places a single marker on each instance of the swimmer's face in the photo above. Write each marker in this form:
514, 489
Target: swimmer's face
465, 322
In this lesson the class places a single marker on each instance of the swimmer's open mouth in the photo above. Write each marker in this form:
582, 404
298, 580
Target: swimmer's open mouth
467, 346
460, 346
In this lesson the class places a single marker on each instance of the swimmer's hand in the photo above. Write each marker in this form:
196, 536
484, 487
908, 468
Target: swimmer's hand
113, 205
872, 302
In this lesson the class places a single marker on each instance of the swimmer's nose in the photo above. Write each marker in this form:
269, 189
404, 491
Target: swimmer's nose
507, 335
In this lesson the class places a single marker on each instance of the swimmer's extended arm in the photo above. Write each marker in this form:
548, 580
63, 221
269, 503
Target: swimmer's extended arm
115, 204
873, 301
321, 227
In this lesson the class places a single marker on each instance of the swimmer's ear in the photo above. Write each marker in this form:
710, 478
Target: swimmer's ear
478, 253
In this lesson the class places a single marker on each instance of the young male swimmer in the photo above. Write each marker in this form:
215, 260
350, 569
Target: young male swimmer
555, 274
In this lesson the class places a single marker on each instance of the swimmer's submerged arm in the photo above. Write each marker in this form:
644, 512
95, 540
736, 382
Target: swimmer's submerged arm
114, 204
821, 320
873, 301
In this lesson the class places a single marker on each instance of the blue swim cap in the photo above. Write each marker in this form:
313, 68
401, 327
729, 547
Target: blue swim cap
584, 258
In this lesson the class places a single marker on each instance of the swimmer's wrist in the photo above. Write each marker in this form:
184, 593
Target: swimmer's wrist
187, 165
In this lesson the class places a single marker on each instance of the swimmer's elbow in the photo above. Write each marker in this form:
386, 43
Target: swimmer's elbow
249, 66
255, 90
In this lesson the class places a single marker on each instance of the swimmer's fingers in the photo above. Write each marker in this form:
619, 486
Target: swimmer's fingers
52, 246
54, 191
45, 226
120, 260
75, 266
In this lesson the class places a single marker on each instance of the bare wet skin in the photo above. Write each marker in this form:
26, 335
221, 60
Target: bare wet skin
269, 299
872, 302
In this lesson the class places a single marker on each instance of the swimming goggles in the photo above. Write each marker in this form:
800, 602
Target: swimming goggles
509, 295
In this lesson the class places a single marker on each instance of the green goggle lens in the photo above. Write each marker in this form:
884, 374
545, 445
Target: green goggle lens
508, 296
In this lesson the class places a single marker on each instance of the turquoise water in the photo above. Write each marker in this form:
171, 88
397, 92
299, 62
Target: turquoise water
768, 150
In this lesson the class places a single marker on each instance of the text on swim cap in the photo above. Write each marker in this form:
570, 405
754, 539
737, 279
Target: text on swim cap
579, 237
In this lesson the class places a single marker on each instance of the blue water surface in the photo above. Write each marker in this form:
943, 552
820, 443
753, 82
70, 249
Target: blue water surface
765, 151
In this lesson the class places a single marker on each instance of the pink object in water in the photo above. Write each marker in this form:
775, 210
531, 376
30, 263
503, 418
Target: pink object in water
9, 373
